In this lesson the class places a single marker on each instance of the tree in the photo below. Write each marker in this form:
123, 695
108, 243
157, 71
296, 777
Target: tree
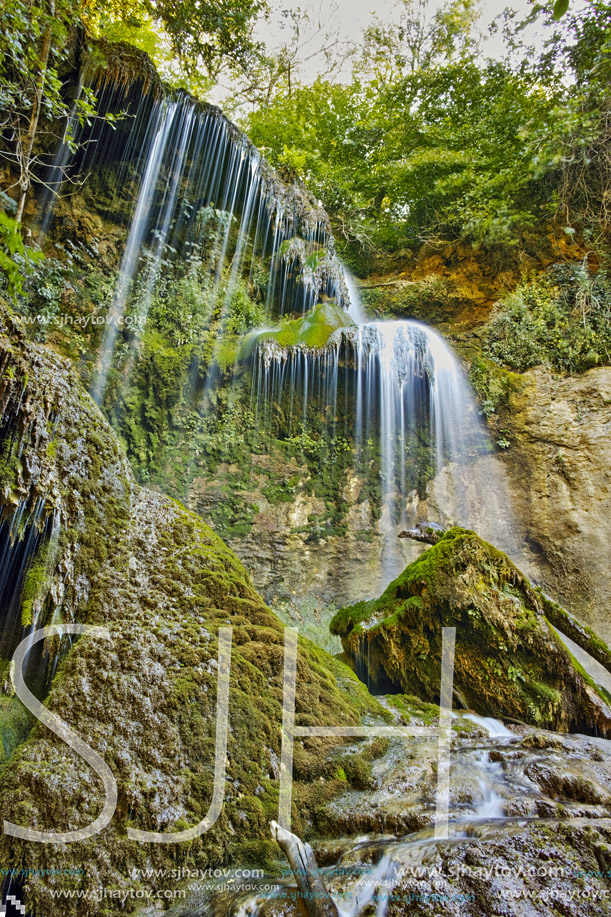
576, 147
206, 34
273, 71
431, 143
421, 39
36, 115
37, 37
434, 154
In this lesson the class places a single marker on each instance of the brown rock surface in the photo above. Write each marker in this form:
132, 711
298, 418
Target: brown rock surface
559, 469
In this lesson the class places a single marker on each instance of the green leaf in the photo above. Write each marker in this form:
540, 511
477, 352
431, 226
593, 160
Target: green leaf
560, 8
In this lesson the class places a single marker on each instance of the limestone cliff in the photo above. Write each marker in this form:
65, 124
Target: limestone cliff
552, 428
561, 475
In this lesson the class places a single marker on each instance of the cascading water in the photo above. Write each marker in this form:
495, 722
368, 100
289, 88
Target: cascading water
410, 377
404, 406
387, 397
385, 400
202, 194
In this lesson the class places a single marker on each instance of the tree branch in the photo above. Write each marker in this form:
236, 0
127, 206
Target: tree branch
314, 894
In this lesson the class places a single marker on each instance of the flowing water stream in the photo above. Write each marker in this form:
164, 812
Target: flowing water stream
496, 791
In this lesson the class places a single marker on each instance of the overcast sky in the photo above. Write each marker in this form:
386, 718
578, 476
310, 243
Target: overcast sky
345, 21
350, 17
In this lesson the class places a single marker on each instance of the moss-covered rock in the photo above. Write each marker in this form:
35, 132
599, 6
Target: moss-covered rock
311, 332
509, 661
163, 583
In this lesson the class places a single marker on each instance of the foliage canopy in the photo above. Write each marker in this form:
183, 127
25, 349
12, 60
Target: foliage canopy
431, 142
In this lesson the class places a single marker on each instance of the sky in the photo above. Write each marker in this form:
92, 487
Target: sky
340, 23
348, 19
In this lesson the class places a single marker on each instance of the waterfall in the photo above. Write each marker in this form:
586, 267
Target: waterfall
410, 379
201, 194
384, 398
397, 395
355, 306
161, 124
23, 539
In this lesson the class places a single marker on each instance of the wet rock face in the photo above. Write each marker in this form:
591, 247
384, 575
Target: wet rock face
529, 819
509, 661
298, 565
163, 584
535, 870
561, 483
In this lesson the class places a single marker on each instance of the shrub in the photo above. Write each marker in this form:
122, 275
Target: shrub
561, 320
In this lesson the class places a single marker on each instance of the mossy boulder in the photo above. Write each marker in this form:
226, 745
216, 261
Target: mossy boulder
163, 584
509, 661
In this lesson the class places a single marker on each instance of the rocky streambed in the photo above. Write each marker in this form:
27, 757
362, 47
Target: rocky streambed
529, 832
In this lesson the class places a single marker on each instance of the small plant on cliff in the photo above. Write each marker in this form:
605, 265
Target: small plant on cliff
244, 313
561, 320
15, 258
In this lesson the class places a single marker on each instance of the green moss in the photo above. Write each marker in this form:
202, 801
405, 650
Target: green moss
464, 726
493, 384
280, 492
505, 662
358, 772
312, 331
413, 709
15, 724
38, 579
227, 352
33, 587
599, 689
10, 466
262, 854
579, 633
399, 596
432, 299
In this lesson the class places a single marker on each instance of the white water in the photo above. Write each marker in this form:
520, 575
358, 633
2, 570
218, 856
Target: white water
161, 130
406, 409
489, 773
202, 195
405, 370
494, 728
355, 307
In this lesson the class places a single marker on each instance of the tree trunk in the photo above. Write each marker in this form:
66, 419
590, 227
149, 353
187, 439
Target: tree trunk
317, 900
26, 158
